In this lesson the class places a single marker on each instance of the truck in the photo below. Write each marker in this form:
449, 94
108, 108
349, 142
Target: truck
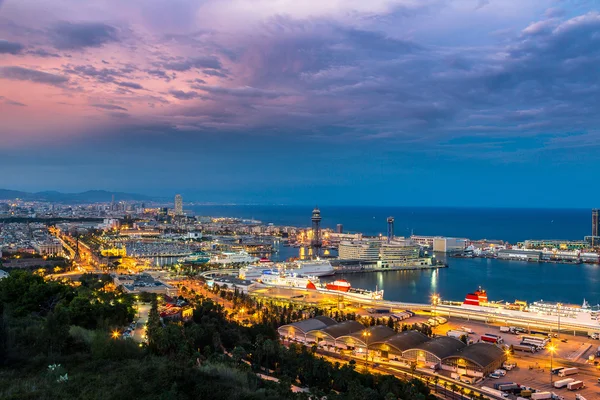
529, 348
497, 385
598, 352
556, 370
465, 329
505, 329
579, 397
491, 338
494, 392
575, 385
563, 383
568, 371
456, 334
541, 395
510, 388
535, 340
594, 335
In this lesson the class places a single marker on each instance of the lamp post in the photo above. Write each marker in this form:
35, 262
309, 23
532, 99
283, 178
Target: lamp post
366, 334
558, 306
551, 349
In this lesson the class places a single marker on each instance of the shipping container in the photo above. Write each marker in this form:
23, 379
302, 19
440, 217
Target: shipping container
494, 392
541, 395
568, 371
575, 385
563, 383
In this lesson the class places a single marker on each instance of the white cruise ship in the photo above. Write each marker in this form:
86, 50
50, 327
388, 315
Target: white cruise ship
288, 281
305, 268
233, 258
310, 268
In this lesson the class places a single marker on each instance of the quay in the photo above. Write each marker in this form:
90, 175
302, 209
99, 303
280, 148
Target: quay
360, 266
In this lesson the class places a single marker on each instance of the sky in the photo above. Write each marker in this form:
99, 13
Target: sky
339, 102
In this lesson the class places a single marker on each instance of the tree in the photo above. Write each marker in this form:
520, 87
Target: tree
436, 380
463, 338
238, 354
445, 388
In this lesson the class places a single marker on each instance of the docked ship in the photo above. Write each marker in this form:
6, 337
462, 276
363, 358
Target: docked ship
340, 287
195, 258
233, 258
584, 314
315, 268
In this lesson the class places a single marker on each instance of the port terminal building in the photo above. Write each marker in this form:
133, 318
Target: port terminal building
405, 348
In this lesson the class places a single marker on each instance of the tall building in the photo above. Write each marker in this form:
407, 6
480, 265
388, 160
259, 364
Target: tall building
390, 229
316, 232
595, 221
339, 228
178, 205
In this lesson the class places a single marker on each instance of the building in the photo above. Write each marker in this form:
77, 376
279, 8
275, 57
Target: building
595, 225
479, 359
178, 205
433, 351
339, 228
298, 330
386, 253
366, 250
328, 336
49, 247
449, 244
520, 255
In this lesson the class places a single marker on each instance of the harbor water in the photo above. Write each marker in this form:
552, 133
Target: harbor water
504, 280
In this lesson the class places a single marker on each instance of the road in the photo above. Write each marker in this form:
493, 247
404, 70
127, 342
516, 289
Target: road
139, 333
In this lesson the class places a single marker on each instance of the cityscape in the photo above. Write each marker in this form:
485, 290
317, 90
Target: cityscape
303, 200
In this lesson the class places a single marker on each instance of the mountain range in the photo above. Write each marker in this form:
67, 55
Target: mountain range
90, 196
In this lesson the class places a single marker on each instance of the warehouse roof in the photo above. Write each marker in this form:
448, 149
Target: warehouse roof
482, 354
343, 328
311, 324
441, 346
404, 340
377, 333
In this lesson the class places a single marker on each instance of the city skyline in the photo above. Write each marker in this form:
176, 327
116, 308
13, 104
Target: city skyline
394, 102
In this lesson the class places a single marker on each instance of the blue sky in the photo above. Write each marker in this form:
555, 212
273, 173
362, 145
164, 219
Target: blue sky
386, 102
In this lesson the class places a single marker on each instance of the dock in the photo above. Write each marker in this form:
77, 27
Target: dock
360, 266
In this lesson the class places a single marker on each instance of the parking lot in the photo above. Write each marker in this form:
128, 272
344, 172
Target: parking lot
533, 369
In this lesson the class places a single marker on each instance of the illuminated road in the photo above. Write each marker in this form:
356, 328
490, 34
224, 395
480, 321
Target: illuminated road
139, 333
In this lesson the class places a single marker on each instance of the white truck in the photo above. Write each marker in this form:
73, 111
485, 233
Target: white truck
568, 371
494, 392
456, 334
575, 385
541, 395
563, 383
504, 329
594, 335
465, 329
579, 397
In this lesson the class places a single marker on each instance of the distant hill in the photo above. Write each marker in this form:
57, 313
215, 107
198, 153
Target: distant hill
90, 196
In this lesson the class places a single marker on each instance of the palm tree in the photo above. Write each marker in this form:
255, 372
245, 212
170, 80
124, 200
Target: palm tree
445, 388
436, 380
472, 395
454, 389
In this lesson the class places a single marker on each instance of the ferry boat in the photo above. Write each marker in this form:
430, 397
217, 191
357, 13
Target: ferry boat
316, 268
233, 258
195, 258
342, 287
548, 311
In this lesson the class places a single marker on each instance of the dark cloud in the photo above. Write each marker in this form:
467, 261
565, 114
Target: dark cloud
12, 102
246, 91
73, 36
7, 47
130, 85
214, 72
159, 73
32, 75
197, 62
181, 95
43, 53
108, 106
105, 75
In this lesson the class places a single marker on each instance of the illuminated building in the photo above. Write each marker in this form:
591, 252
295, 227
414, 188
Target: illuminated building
316, 231
178, 205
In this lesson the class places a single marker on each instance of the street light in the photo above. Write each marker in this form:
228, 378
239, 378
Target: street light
435, 299
551, 349
366, 334
115, 334
558, 306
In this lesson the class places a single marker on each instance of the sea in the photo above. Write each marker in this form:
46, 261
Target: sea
503, 280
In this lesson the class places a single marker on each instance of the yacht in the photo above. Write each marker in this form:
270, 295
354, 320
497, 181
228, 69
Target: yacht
233, 258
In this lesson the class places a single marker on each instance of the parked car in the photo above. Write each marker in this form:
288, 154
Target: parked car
494, 375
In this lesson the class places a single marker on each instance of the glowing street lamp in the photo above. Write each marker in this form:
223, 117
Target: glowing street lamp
366, 334
435, 299
552, 350
115, 334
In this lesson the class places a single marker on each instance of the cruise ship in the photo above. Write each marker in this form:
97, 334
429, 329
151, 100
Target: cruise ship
195, 258
584, 314
316, 268
339, 287
233, 258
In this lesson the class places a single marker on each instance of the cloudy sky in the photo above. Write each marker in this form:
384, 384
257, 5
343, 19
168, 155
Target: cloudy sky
391, 102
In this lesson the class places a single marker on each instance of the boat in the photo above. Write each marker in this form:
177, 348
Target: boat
195, 258
241, 257
341, 285
479, 297
311, 268
289, 281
